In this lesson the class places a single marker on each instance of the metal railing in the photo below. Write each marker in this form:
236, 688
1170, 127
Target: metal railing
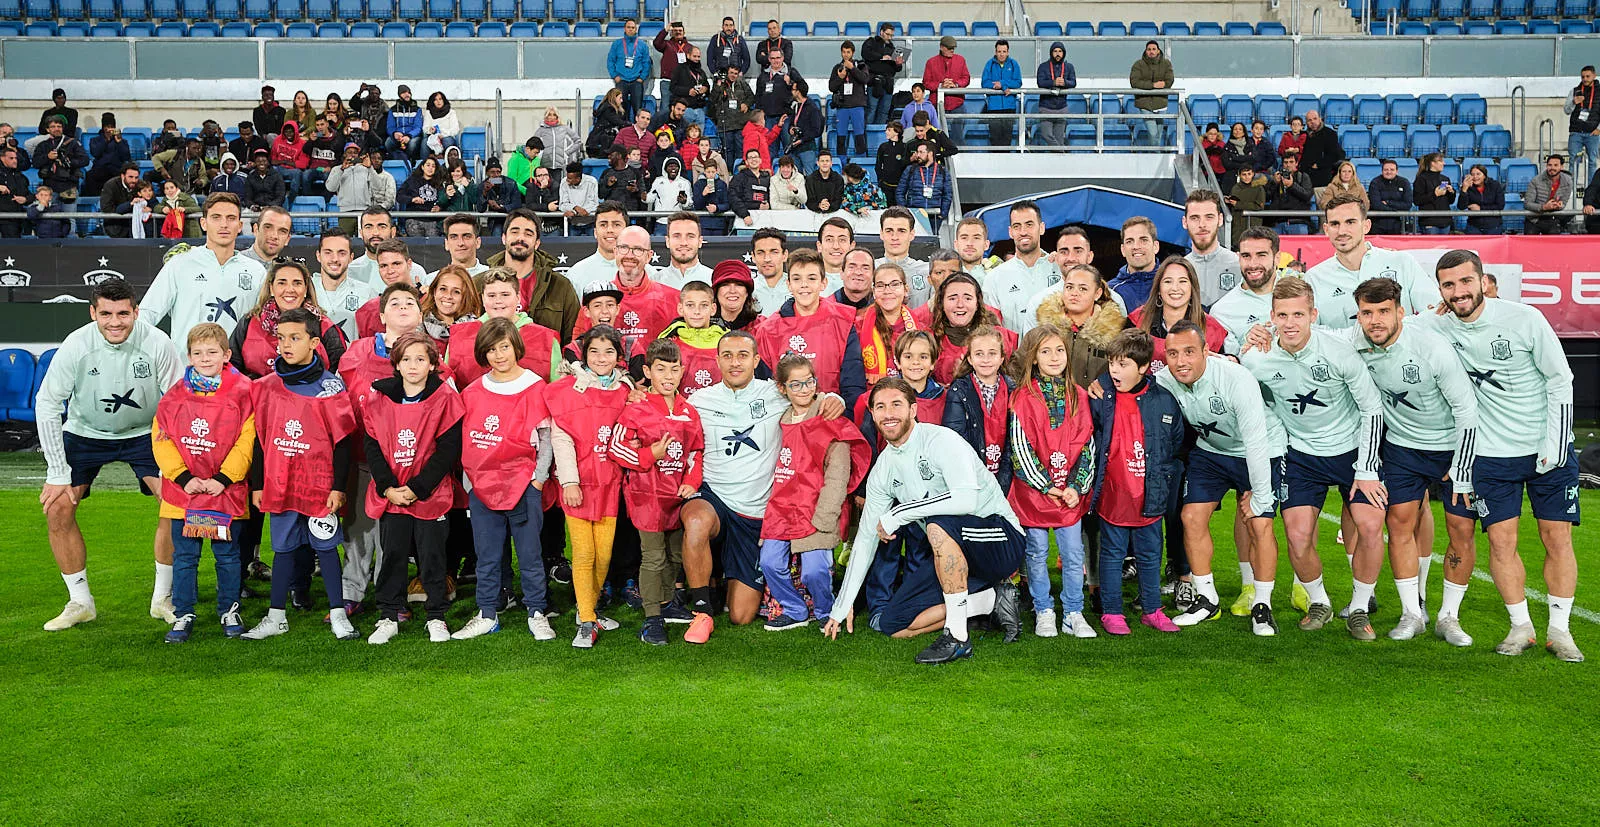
1408, 219
954, 123
1519, 118
324, 215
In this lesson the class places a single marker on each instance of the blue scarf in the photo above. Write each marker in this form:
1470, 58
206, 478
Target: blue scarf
196, 383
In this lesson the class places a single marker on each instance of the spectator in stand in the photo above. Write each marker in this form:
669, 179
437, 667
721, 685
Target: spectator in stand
263, 186
893, 154
248, 142
403, 134
848, 85
1480, 192
1058, 75
109, 152
354, 182
691, 86
1345, 182
788, 186
115, 197
751, 188
860, 194
579, 199
1290, 189
804, 128
301, 114
1263, 158
423, 191
440, 127
727, 49
1583, 121
268, 116
947, 70
212, 143
368, 102
919, 103
323, 152
670, 117
544, 196
288, 153
923, 130
926, 184
169, 136
623, 181
666, 149
1212, 144
1591, 203
59, 109
1548, 192
638, 136
1236, 155
1151, 71
1247, 194
711, 195
335, 111
775, 42
884, 61
758, 136
707, 161
1001, 74
669, 192
562, 145
1431, 191
528, 157
775, 84
610, 118
8, 138
182, 166
497, 193
383, 184
1389, 193
824, 187
230, 178
176, 202
460, 191
1294, 139
14, 196
674, 48
60, 159
628, 64
731, 104
1320, 156
44, 205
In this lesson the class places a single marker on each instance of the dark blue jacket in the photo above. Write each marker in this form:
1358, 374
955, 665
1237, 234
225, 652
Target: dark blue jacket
963, 413
909, 192
1134, 288
718, 197
1493, 197
1046, 78
1163, 440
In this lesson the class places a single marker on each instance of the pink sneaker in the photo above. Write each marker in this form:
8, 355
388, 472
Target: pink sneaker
1114, 624
1159, 621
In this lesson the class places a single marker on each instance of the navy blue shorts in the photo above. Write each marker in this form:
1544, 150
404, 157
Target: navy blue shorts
1409, 474
739, 542
1498, 484
1309, 478
994, 550
1211, 476
291, 530
87, 455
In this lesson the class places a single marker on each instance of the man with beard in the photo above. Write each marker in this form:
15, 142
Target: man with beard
1216, 265
972, 245
1355, 260
337, 294
377, 227
274, 228
1012, 284
547, 296
683, 252
1250, 303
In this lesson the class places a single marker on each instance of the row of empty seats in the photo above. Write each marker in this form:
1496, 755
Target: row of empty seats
20, 377
1456, 141
1477, 9
1479, 28
1438, 110
1079, 28
474, 141
302, 31
861, 29
316, 11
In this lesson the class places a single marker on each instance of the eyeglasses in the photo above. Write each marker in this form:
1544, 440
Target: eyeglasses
887, 285
801, 384
631, 250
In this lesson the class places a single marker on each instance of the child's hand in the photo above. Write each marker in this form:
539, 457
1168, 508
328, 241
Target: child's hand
1069, 497
572, 496
685, 492
255, 499
659, 448
335, 501
393, 495
195, 486
214, 487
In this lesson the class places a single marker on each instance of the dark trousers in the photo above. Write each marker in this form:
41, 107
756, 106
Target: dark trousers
404, 536
625, 552
295, 567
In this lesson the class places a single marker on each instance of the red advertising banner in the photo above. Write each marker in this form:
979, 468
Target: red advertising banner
1560, 275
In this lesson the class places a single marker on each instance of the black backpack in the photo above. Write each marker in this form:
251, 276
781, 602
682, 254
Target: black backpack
1589, 467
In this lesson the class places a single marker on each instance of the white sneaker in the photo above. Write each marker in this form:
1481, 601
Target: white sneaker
539, 627
162, 609
438, 632
607, 624
72, 615
385, 632
1520, 639
342, 628
1075, 624
266, 628
1410, 626
1448, 629
478, 625
1044, 623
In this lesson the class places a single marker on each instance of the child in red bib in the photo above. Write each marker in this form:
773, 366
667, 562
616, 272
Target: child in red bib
819, 464
658, 441
695, 336
203, 437
584, 409
541, 346
1052, 453
978, 402
305, 431
413, 447
817, 328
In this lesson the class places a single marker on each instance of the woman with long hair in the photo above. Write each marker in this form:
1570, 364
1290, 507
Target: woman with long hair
335, 111
957, 312
1088, 318
254, 342
439, 122
451, 297
301, 113
1344, 182
423, 191
1174, 298
884, 320
609, 118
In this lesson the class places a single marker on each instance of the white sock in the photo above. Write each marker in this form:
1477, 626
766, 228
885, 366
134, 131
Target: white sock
1247, 572
1351, 557
1519, 614
163, 581
955, 614
1361, 596
1410, 602
1206, 584
78, 588
980, 603
1263, 593
1317, 592
1423, 564
280, 616
1560, 612
1450, 604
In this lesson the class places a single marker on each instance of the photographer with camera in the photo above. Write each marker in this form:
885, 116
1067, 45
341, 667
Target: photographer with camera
1290, 189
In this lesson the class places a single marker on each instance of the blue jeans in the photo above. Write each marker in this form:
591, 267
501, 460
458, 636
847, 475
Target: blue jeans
186, 571
1115, 542
490, 529
632, 96
1579, 143
694, 117
816, 575
732, 146
851, 123
1069, 544
1149, 132
412, 150
806, 159
878, 107
1435, 230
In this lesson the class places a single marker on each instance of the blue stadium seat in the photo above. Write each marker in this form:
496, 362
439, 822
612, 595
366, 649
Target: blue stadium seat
1471, 110
332, 31
1513, 8
1237, 109
1205, 109
1143, 28
1459, 142
491, 29
1452, 9
255, 10
1577, 8
300, 31
1577, 27
1271, 28
1207, 28
40, 8
619, 8
650, 28
1356, 141
1544, 27
98, 10
396, 30
1445, 28
1367, 169
172, 29
266, 30
1423, 139
1493, 140
459, 29
825, 28
162, 10
953, 28
1404, 109
1452, 169
526, 30
1544, 8
587, 28
17, 368
1046, 28
474, 9
1413, 28
1480, 9
1382, 8
1371, 109
1079, 28
1238, 29
857, 29
350, 10
429, 28
289, 11
1510, 27
1175, 30
1299, 105
596, 9
1338, 109
412, 10
205, 29
502, 10
1477, 28
304, 204
655, 9
1272, 109
556, 29
38, 376
381, 11
73, 30
1419, 9
617, 28
1515, 173
366, 30
1437, 109
227, 10
757, 29
441, 10
1112, 29
920, 28
564, 10
319, 10
985, 28
72, 10
112, 30
1388, 140
534, 9
11, 16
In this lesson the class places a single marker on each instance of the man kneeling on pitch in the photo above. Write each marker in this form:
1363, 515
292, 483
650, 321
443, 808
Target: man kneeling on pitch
927, 482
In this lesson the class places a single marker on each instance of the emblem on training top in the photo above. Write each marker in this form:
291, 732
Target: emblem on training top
630, 318
797, 343
1320, 373
785, 456
1229, 279
293, 429
1058, 460
1218, 407
199, 427
352, 302
758, 409
919, 281
924, 469
246, 283
491, 423
1500, 349
407, 438
141, 369
702, 378
1411, 374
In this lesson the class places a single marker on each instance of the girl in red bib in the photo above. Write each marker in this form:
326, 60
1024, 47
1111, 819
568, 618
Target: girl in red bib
203, 437
659, 441
505, 452
1052, 453
413, 447
884, 321
541, 346
978, 402
306, 432
819, 464
584, 409
254, 343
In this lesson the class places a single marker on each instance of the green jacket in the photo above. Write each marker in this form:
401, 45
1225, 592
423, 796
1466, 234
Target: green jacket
553, 302
520, 169
1144, 74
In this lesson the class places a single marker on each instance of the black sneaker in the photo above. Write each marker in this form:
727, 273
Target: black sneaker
783, 623
674, 612
1008, 610
945, 649
301, 599
1202, 610
1130, 571
1261, 621
1094, 600
561, 573
654, 632
508, 600
630, 595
